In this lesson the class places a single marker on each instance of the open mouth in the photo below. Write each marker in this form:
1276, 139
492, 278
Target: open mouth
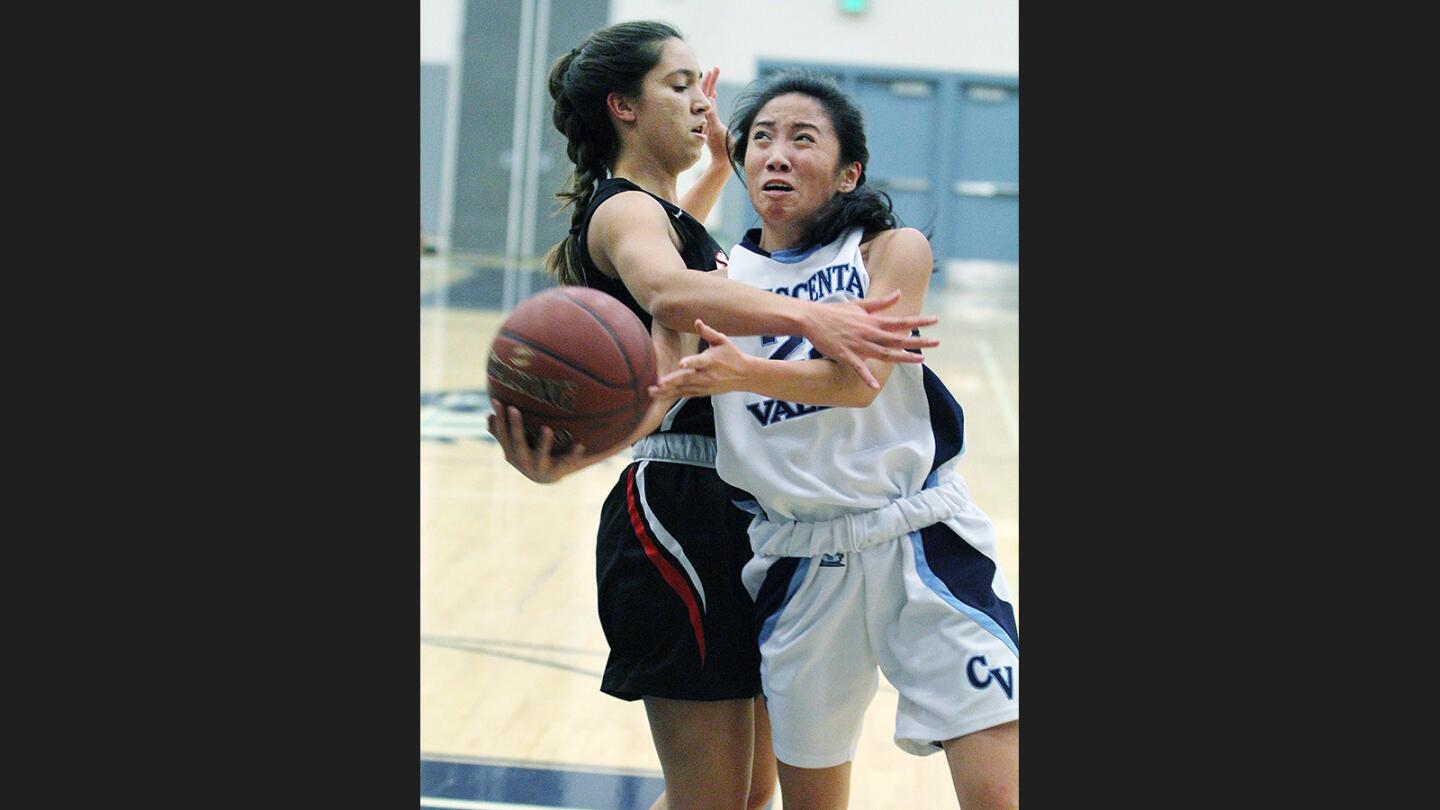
777, 186
700, 130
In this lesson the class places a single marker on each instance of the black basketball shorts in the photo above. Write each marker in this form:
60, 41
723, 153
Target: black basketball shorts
678, 619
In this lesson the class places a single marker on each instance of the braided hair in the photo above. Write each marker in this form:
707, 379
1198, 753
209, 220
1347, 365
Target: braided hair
614, 59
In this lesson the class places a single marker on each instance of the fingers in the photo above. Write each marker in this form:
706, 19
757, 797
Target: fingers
517, 437
894, 340
918, 342
674, 376
508, 427
683, 389
857, 363
891, 355
669, 385
879, 351
711, 336
897, 322
576, 455
498, 427
707, 85
679, 383
547, 443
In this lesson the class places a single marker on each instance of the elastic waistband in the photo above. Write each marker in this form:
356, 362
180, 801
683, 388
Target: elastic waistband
857, 532
679, 448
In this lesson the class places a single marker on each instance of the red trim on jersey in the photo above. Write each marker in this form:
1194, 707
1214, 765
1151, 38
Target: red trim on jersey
668, 572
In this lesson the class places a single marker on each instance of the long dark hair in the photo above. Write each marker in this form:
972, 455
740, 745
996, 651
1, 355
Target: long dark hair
614, 59
864, 206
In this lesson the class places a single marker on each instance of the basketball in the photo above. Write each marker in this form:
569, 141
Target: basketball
575, 359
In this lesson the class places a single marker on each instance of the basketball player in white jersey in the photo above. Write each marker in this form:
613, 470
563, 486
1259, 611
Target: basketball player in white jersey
868, 551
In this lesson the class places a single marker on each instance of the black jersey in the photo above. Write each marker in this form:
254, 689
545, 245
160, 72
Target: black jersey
699, 251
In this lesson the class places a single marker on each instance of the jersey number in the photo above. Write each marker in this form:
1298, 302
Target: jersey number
789, 347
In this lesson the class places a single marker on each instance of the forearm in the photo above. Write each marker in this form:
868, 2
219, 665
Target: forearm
701, 197
654, 415
730, 306
813, 382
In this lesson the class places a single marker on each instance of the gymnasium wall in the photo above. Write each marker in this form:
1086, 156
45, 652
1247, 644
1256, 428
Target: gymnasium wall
937, 41
974, 36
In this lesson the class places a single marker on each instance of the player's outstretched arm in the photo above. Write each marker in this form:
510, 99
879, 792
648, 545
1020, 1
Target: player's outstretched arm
722, 368
900, 262
630, 237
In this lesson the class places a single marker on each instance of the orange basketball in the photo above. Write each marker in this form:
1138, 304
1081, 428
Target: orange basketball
575, 359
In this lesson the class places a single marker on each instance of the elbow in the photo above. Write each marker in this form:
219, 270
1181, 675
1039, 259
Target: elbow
667, 308
863, 397
859, 393
856, 395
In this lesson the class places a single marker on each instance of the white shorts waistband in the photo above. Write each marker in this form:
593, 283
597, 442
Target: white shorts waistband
862, 530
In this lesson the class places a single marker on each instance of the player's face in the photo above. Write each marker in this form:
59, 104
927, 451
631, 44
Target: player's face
670, 112
792, 161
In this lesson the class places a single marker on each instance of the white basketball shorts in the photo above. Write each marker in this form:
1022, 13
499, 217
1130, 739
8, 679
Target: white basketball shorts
930, 608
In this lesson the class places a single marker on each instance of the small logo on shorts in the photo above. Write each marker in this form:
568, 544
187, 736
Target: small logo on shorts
992, 675
832, 560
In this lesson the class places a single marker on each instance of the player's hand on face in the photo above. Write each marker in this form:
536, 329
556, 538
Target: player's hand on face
536, 464
850, 332
718, 369
716, 137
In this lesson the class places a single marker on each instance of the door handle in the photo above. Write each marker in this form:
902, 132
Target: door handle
900, 183
985, 188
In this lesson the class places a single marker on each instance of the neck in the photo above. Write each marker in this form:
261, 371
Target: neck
782, 236
648, 173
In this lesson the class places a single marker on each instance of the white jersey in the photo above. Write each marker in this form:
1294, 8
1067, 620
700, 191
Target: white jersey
863, 531
804, 462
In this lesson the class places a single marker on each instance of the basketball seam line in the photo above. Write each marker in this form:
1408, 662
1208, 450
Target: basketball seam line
614, 338
580, 416
569, 363
641, 403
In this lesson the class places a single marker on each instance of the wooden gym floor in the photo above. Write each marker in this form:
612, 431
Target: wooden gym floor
511, 651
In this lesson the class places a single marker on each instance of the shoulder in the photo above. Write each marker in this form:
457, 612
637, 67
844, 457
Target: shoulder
898, 248
628, 211
628, 224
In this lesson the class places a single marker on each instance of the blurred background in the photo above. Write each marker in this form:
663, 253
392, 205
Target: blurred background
511, 648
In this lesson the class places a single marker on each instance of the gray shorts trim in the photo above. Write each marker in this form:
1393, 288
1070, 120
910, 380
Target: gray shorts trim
677, 448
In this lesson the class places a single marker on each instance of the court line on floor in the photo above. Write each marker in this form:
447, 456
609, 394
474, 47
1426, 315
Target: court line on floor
997, 382
468, 804
465, 641
524, 658
554, 765
466, 784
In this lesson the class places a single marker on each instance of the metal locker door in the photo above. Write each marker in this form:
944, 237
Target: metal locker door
986, 203
902, 118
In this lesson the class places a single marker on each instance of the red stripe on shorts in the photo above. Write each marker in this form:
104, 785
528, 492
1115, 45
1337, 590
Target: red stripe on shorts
668, 572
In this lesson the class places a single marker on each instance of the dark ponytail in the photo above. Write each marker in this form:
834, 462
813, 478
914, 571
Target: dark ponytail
614, 59
867, 207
